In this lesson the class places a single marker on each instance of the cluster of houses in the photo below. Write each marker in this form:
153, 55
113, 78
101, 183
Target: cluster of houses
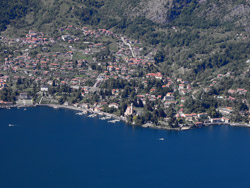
201, 119
184, 87
55, 68
3, 82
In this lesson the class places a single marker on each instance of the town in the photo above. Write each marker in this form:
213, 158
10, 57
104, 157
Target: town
98, 71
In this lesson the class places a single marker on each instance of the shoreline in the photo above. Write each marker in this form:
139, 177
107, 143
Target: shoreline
123, 119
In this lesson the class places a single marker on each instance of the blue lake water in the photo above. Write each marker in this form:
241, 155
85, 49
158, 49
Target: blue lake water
56, 148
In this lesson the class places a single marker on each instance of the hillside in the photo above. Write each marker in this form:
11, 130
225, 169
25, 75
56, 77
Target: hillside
205, 43
108, 12
193, 34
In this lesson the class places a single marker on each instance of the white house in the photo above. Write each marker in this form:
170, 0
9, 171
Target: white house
114, 105
44, 89
129, 110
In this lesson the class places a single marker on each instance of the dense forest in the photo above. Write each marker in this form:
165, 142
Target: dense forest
12, 10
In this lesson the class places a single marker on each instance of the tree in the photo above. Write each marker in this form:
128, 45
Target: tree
171, 115
213, 113
159, 57
140, 103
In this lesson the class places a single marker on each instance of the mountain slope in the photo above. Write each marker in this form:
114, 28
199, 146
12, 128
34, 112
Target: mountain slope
197, 37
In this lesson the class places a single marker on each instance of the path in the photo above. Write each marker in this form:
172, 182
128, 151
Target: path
131, 49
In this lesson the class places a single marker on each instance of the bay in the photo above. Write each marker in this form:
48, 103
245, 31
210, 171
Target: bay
56, 148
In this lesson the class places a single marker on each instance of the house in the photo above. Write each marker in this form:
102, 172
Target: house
114, 105
66, 37
129, 110
226, 111
169, 98
225, 120
231, 91
44, 89
110, 68
86, 106
2, 85
168, 103
115, 91
3, 103
75, 87
157, 75
198, 124
216, 120
231, 98
181, 86
183, 92
219, 120
183, 99
169, 94
23, 96
179, 80
207, 89
188, 117
241, 91
202, 115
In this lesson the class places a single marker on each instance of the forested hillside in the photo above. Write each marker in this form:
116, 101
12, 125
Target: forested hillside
12, 10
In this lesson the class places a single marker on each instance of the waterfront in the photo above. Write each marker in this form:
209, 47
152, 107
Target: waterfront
56, 148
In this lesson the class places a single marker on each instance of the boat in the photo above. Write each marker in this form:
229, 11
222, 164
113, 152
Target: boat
11, 125
161, 139
112, 121
79, 113
92, 115
24, 109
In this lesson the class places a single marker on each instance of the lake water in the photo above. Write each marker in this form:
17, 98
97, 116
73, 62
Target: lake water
56, 148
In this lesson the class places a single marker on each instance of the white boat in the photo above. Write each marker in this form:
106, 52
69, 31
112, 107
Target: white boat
161, 139
11, 125
107, 117
24, 109
92, 115
112, 121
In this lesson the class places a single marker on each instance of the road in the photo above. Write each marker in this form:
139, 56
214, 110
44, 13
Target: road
131, 49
